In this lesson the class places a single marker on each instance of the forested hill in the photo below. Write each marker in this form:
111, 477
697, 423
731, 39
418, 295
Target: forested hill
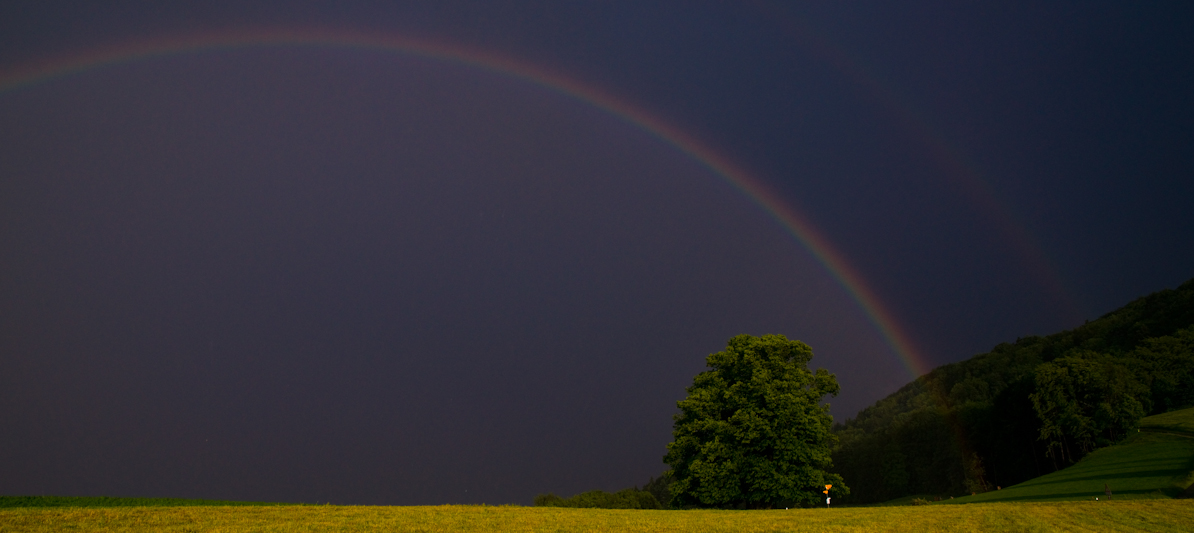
977, 424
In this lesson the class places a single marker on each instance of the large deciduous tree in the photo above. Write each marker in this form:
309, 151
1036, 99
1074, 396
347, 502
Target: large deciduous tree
753, 432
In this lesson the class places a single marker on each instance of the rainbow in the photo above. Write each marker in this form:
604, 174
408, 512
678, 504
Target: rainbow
796, 224
963, 173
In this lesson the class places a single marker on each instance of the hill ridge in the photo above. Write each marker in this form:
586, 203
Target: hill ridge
973, 423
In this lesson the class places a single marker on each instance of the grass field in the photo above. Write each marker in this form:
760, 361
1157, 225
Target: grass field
1156, 463
1146, 515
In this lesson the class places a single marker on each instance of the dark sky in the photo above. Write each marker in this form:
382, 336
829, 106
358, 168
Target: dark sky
338, 274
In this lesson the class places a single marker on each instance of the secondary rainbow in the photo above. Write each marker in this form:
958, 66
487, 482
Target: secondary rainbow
962, 171
788, 217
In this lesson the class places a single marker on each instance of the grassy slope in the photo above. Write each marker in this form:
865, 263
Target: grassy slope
1151, 515
1172, 422
1156, 463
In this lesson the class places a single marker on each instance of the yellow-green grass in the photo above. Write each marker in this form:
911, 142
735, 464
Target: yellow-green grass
1181, 422
1146, 465
1150, 515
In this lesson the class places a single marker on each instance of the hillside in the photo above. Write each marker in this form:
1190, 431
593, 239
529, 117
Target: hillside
1178, 422
973, 425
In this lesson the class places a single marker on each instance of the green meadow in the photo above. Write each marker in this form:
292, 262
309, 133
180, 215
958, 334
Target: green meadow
1129, 515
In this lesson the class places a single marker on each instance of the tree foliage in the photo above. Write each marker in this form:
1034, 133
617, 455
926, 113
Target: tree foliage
1166, 366
661, 488
1086, 400
752, 432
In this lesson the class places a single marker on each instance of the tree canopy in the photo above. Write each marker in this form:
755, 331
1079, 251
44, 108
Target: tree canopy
1086, 400
752, 432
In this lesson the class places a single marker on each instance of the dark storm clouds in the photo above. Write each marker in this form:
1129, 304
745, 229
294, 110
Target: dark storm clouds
350, 276
301, 274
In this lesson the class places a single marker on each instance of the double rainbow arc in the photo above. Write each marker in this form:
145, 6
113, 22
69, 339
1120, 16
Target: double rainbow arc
796, 224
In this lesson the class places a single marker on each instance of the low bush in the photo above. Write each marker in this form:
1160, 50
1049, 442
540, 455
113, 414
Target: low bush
599, 499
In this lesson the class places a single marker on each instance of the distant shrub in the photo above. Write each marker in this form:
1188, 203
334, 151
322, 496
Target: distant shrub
599, 499
548, 500
661, 488
919, 501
